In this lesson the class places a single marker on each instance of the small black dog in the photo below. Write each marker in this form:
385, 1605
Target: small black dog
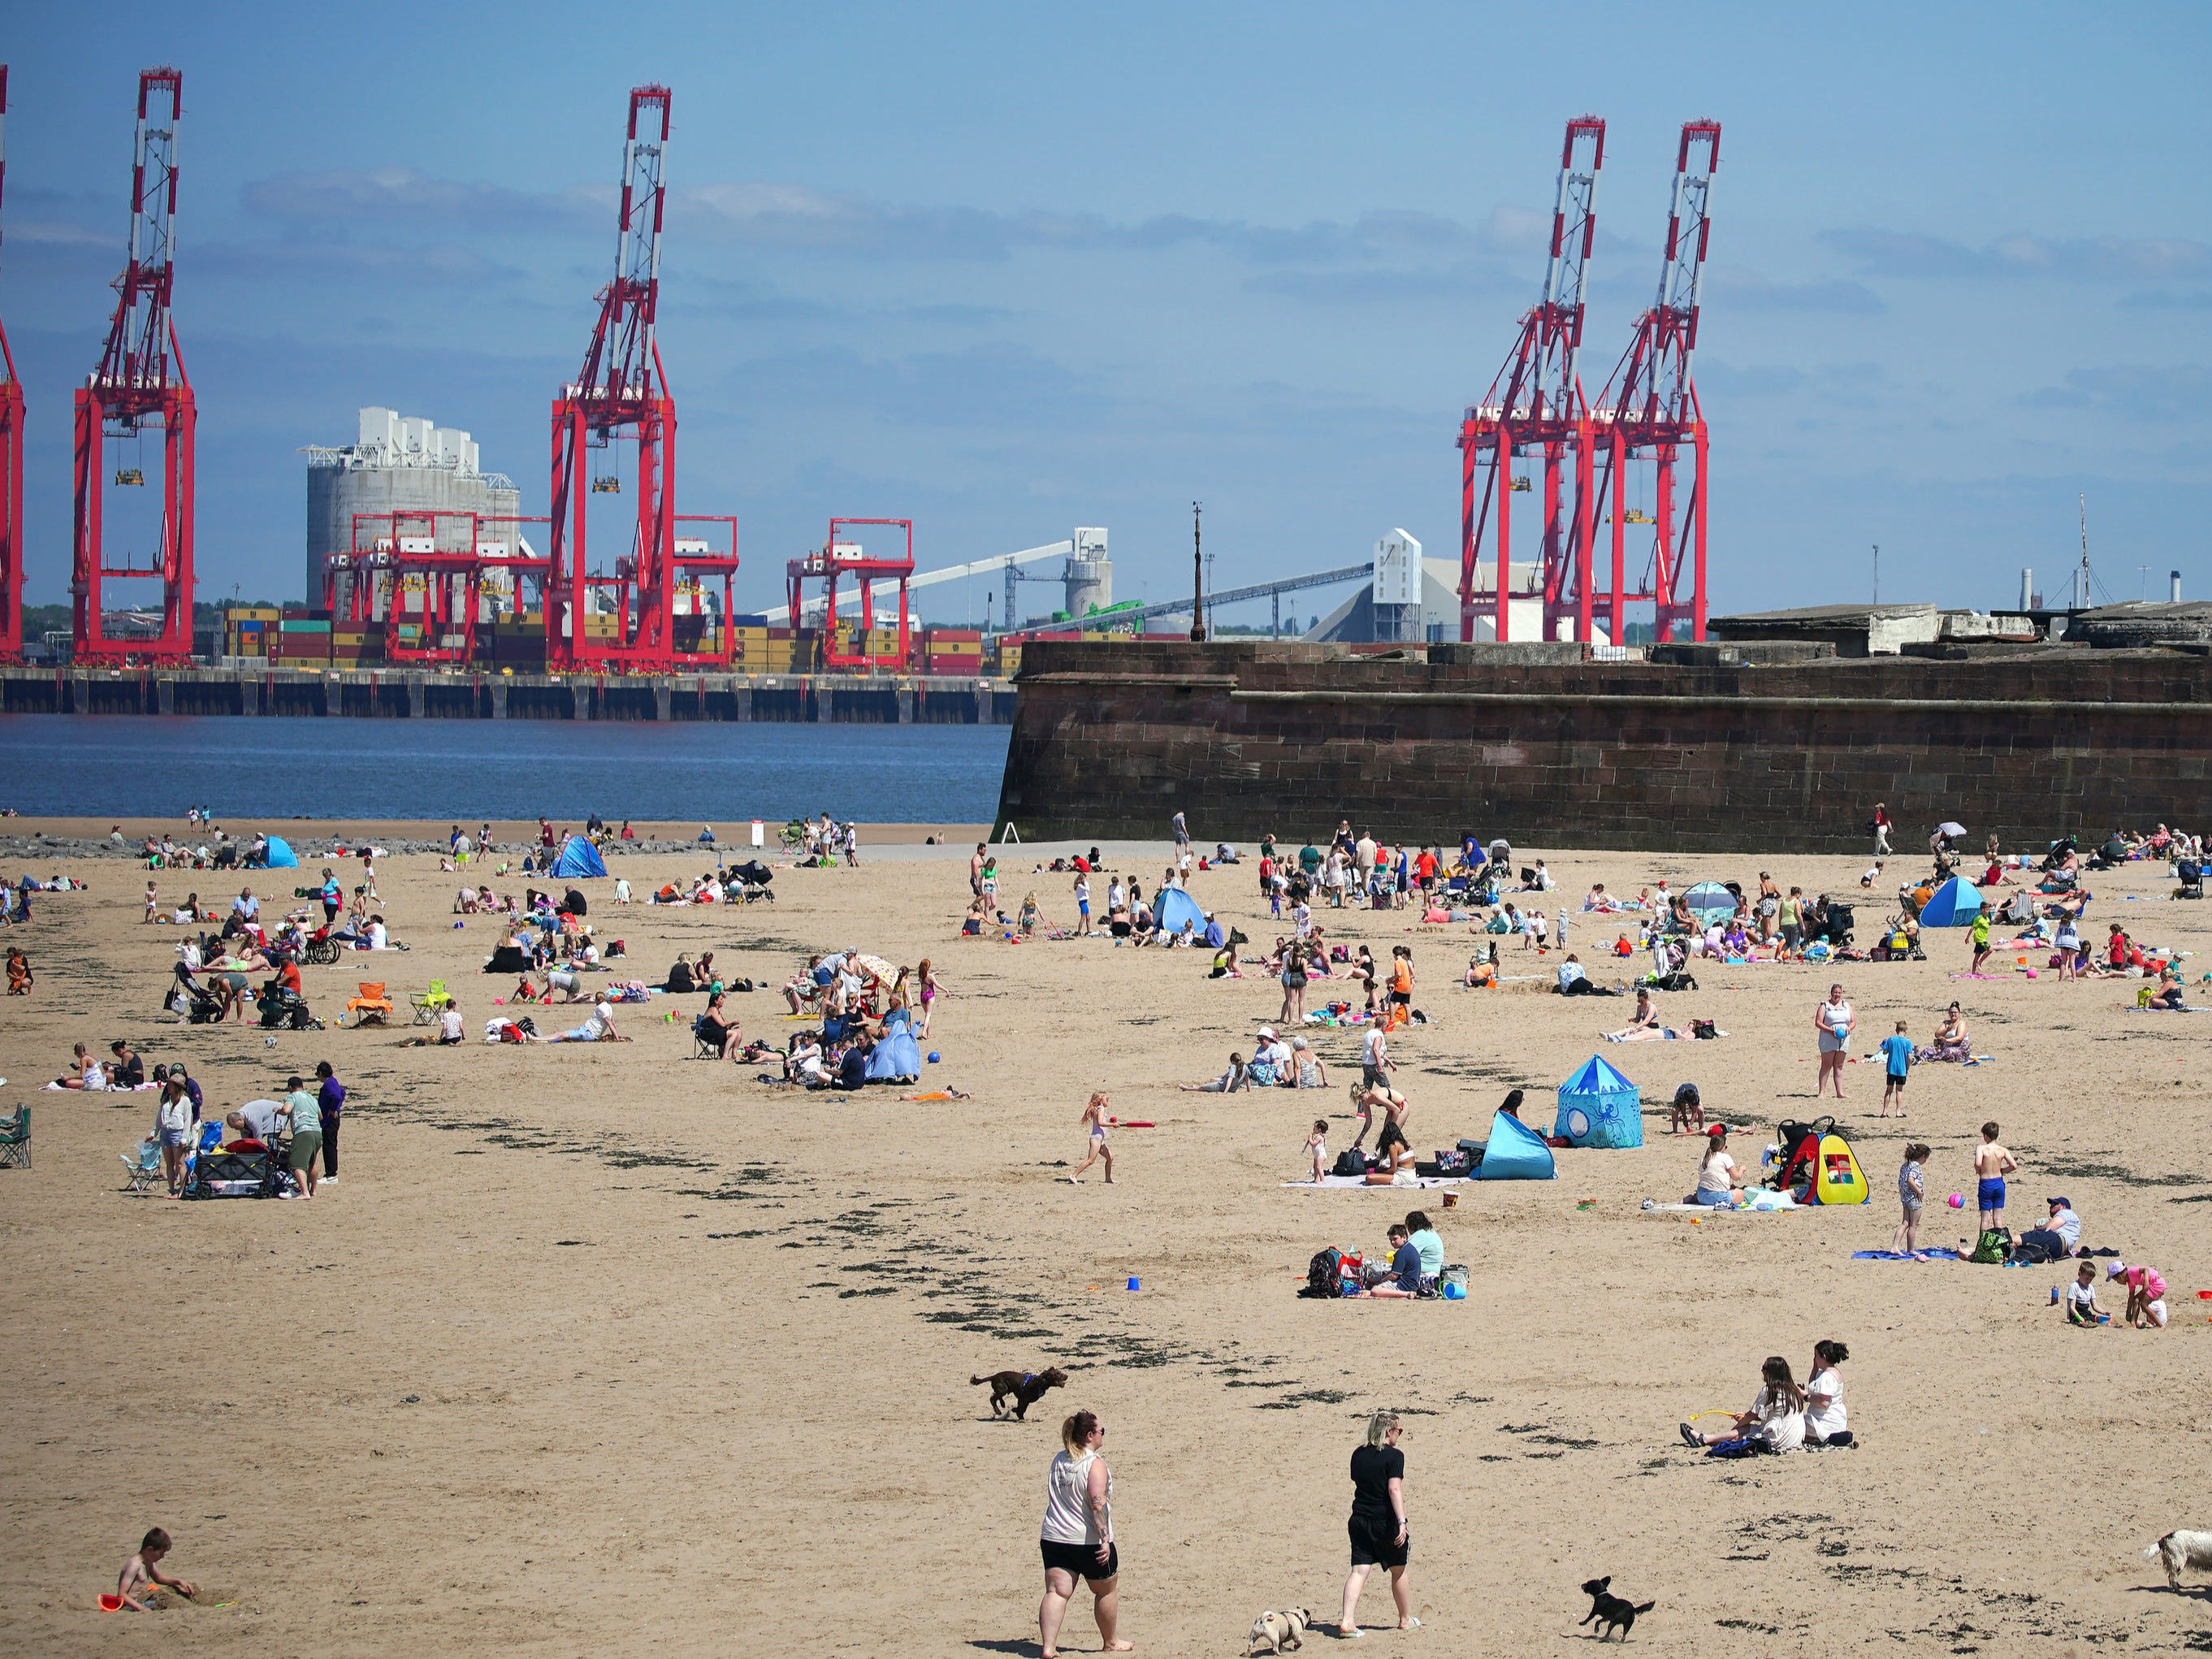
1611, 1612
1024, 1388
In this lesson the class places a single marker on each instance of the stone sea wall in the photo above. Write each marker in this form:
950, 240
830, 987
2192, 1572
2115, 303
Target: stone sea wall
1111, 739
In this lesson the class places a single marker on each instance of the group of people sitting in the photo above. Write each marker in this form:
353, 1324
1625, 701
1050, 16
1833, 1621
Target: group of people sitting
1275, 1064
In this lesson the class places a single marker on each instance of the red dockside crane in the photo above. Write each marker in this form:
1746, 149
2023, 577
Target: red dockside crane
11, 461
1649, 413
140, 382
623, 393
1536, 406
836, 558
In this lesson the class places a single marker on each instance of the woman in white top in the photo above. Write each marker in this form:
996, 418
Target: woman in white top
1826, 1419
1775, 1422
1077, 1540
1716, 1172
1834, 1020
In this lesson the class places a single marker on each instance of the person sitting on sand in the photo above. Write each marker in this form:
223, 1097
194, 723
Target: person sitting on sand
1228, 1083
1775, 1422
89, 1074
1717, 1175
141, 1574
1643, 1025
1950, 1042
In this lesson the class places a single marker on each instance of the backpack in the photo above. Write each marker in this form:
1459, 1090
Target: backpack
1352, 1161
1322, 1274
1992, 1247
1702, 1030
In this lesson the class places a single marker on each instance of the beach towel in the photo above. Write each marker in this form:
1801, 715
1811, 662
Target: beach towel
1893, 1256
1354, 1183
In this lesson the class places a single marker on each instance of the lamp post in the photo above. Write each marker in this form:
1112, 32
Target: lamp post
1197, 577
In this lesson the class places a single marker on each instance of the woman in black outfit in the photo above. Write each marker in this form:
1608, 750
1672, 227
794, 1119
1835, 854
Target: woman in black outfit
1380, 1537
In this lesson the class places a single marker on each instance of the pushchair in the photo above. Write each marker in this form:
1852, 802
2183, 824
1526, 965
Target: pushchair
752, 878
197, 1004
2190, 874
283, 1010
1898, 943
1837, 927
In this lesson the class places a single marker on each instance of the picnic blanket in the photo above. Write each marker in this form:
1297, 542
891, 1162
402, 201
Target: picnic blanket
1353, 1184
1894, 1256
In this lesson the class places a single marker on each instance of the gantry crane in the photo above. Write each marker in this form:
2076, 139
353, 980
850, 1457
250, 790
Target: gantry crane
11, 461
1536, 407
140, 381
623, 393
1650, 412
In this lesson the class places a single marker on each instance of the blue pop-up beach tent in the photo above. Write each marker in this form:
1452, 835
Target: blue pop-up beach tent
1710, 902
280, 855
1172, 908
897, 1058
578, 858
1515, 1153
1598, 1107
1955, 905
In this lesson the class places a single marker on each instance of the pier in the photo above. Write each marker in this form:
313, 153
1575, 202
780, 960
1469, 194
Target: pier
385, 693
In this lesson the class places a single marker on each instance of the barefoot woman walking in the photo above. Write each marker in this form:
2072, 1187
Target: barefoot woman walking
1380, 1535
1834, 1020
1079, 1534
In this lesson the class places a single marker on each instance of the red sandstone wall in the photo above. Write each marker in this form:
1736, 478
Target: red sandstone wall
1112, 739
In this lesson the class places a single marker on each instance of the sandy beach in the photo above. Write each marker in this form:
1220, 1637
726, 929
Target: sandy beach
603, 1349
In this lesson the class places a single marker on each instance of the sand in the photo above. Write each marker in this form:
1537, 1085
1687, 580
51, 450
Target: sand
604, 1349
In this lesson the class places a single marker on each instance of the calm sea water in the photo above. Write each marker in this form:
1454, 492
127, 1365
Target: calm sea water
103, 765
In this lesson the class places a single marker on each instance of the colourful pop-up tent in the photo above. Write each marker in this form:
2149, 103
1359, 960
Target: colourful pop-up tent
1515, 1153
1955, 905
1598, 1107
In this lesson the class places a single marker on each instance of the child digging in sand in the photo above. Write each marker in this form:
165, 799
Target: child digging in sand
141, 1574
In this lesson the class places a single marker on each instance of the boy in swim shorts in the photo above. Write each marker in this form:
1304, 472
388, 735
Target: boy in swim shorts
1992, 1164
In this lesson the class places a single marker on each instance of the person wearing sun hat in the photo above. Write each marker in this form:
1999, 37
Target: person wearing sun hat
2145, 1293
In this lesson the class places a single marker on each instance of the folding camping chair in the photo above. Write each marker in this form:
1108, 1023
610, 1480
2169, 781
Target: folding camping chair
431, 1004
15, 1139
371, 1004
702, 1046
143, 1166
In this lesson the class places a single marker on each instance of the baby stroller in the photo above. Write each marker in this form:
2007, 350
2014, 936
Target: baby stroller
1836, 928
283, 1010
752, 878
1898, 943
197, 1004
2190, 874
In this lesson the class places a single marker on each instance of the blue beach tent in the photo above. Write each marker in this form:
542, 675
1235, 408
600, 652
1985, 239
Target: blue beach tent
578, 858
1955, 905
1598, 1107
1172, 908
1710, 902
897, 1058
280, 855
1515, 1153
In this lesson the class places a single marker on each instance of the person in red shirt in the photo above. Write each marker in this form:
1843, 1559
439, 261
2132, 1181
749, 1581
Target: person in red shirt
1424, 867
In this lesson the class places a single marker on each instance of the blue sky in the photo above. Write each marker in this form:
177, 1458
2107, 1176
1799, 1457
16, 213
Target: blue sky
1007, 270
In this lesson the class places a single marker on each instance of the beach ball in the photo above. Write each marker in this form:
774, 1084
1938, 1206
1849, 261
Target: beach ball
1955, 1201
934, 1056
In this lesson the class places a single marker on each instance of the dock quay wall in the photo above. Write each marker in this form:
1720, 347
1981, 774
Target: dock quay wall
1429, 744
387, 693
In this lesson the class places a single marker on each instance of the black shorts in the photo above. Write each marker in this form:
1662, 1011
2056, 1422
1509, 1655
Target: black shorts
1080, 1560
1403, 998
1378, 1544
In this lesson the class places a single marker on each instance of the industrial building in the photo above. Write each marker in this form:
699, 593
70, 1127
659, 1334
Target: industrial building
1399, 605
402, 463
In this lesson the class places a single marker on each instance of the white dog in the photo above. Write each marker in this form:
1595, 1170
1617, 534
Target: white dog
1279, 1631
2177, 1550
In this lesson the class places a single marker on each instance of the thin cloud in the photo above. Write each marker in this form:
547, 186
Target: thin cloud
2146, 393
1748, 291
402, 195
1909, 255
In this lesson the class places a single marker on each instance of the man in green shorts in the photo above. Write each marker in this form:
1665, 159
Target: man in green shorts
306, 1113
